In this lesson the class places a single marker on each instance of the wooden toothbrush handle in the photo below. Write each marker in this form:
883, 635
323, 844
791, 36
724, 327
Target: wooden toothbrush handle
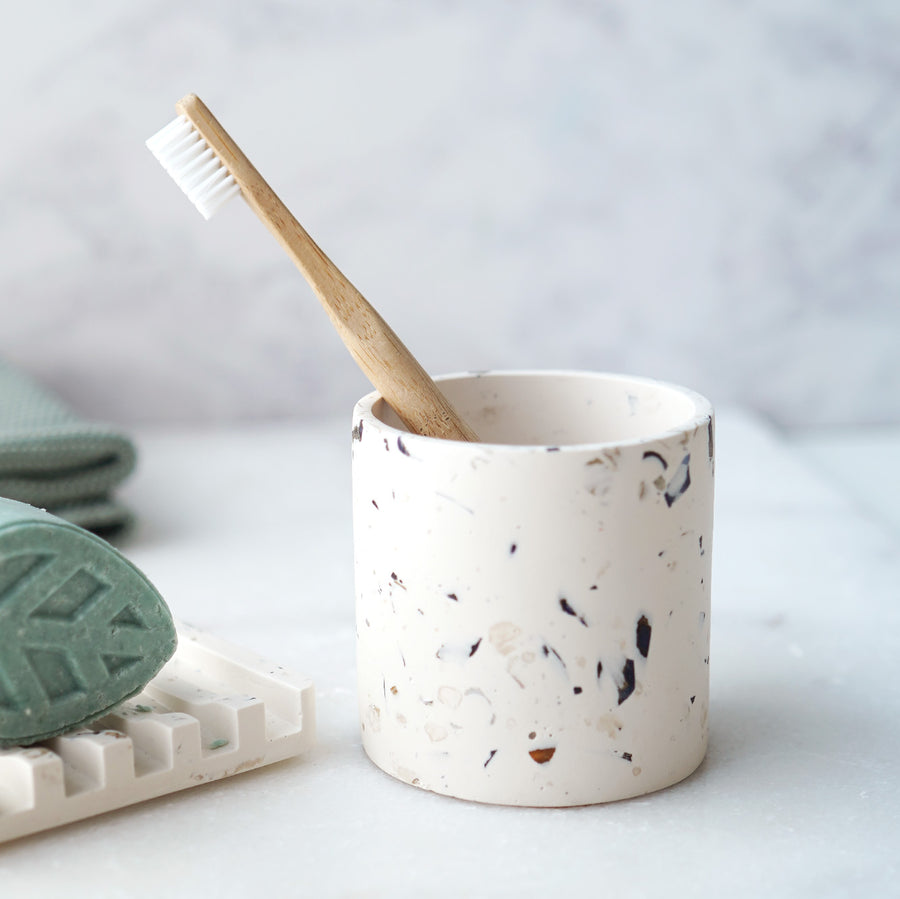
388, 364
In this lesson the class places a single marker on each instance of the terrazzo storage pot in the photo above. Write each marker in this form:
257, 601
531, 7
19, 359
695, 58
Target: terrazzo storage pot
533, 609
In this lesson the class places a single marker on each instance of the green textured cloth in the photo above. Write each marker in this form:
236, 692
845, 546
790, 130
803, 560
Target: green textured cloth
55, 460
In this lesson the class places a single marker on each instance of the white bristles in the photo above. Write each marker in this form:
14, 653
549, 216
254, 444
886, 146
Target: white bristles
195, 168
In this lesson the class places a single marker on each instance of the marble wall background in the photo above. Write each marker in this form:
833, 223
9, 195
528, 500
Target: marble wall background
705, 191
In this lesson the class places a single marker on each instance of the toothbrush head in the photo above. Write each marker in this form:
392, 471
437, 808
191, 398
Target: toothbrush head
194, 166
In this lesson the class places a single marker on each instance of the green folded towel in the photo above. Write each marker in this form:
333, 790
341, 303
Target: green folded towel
55, 460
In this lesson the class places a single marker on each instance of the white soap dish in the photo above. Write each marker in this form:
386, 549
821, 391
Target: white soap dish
214, 710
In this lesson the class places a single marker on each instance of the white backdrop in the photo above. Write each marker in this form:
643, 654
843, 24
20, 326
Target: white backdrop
703, 191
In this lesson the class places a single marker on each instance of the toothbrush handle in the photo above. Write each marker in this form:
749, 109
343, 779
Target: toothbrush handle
388, 364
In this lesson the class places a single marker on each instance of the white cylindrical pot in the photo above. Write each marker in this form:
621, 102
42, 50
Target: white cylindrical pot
533, 609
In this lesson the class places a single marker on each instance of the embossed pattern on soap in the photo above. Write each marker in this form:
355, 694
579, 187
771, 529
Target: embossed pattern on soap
81, 629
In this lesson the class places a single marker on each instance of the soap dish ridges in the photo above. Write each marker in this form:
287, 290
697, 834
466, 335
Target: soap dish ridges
213, 711
81, 628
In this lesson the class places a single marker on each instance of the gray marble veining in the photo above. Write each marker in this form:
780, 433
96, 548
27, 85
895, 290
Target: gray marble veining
705, 192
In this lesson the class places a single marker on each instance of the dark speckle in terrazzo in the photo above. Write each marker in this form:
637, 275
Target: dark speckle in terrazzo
627, 686
402, 447
680, 482
453, 596
357, 431
512, 549
490, 757
652, 454
542, 756
548, 650
475, 646
567, 608
642, 636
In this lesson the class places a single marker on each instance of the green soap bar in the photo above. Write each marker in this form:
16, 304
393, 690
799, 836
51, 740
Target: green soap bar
81, 629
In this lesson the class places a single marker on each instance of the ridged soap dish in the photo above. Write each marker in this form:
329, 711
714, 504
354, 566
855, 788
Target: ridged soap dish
214, 710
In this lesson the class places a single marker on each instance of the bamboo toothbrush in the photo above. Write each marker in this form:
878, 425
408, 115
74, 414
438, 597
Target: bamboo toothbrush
210, 168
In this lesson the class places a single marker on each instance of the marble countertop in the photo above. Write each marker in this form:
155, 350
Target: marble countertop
246, 531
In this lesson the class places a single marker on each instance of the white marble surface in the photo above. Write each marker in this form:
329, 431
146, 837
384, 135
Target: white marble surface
703, 191
247, 533
833, 453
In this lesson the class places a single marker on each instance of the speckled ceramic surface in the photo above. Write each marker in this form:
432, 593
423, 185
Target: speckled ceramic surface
533, 609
